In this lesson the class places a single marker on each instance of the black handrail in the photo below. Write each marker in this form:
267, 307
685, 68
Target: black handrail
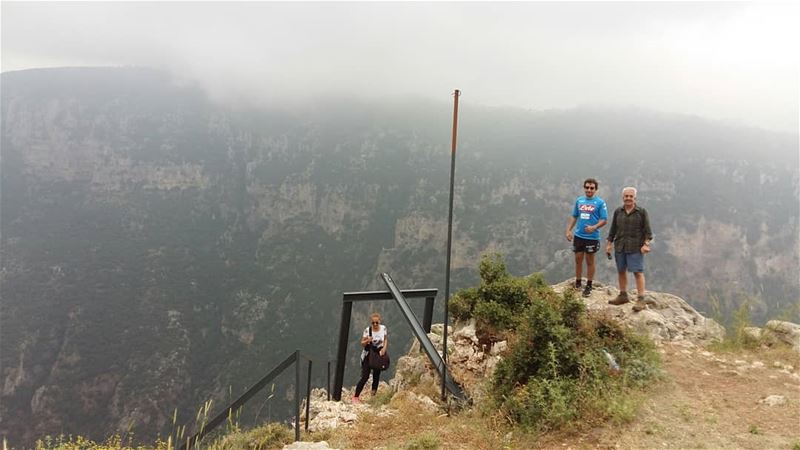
294, 358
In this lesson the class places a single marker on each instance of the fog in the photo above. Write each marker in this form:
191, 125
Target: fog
729, 61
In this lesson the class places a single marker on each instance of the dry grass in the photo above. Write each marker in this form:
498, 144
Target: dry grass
409, 427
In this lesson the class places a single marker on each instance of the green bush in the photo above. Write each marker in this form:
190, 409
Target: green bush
462, 303
554, 371
497, 303
492, 268
547, 402
493, 316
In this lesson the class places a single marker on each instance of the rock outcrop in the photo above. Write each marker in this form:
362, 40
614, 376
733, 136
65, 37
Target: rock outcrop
776, 332
671, 319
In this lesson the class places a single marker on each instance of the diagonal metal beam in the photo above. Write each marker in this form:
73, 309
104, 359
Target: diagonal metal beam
422, 336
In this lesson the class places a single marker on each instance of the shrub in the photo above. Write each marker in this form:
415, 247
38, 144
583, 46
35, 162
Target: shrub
492, 268
493, 316
425, 441
462, 303
555, 370
498, 301
544, 401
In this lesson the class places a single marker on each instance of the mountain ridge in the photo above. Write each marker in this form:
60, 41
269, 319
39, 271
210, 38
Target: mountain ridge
205, 237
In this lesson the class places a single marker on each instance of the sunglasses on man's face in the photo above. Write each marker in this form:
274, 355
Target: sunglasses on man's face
589, 188
375, 323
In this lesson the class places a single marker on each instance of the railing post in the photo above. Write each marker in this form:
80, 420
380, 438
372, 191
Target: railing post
427, 318
297, 395
308, 395
341, 357
328, 390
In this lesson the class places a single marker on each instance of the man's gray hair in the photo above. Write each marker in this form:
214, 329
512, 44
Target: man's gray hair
629, 188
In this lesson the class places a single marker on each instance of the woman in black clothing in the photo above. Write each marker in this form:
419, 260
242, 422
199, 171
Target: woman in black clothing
376, 337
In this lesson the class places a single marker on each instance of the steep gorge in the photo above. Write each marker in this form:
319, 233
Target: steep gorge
158, 249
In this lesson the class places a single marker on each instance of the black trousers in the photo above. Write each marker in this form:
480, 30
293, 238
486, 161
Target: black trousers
376, 375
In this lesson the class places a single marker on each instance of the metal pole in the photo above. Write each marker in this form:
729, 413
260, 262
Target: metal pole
297, 396
308, 395
329, 381
427, 318
341, 353
456, 94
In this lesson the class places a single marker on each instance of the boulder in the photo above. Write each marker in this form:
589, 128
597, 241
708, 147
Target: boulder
773, 400
670, 319
331, 414
785, 332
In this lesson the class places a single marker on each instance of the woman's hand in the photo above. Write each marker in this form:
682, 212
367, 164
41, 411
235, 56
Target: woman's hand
383, 351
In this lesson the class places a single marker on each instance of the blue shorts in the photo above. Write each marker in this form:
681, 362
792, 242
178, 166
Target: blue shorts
633, 262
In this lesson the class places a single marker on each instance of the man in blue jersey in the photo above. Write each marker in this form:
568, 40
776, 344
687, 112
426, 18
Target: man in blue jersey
583, 230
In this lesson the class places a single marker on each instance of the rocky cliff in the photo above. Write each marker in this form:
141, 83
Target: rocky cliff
160, 250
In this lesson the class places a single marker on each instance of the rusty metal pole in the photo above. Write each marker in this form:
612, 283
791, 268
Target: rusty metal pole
456, 94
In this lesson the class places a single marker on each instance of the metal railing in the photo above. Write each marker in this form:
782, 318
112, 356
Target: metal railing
344, 324
294, 358
347, 300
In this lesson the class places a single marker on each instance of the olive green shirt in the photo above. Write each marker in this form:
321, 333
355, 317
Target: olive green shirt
629, 231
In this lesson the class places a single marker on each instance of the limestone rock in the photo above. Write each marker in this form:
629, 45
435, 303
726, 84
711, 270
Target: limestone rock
670, 319
471, 366
773, 400
752, 333
331, 414
786, 332
776, 332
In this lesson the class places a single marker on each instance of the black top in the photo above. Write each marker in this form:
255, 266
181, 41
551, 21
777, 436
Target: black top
629, 231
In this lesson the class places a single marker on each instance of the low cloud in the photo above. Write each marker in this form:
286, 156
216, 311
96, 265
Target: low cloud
731, 61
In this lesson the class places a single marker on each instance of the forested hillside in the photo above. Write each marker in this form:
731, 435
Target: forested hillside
159, 250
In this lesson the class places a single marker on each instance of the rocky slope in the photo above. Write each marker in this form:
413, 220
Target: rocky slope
743, 400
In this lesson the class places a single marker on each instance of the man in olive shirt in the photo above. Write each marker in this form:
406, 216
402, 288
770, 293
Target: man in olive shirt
631, 235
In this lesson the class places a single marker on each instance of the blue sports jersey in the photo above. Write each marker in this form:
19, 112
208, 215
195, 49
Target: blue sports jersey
589, 211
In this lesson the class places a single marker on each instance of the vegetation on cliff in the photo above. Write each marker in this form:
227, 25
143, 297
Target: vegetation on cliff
563, 364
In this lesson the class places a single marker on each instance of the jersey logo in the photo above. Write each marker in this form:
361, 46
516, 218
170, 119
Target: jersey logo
587, 208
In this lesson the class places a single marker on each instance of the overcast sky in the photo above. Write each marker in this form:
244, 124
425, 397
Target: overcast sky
730, 61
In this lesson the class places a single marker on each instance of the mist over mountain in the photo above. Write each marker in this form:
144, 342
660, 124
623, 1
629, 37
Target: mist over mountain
159, 250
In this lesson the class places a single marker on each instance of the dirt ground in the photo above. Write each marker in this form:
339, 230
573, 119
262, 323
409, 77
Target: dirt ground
706, 400
712, 401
